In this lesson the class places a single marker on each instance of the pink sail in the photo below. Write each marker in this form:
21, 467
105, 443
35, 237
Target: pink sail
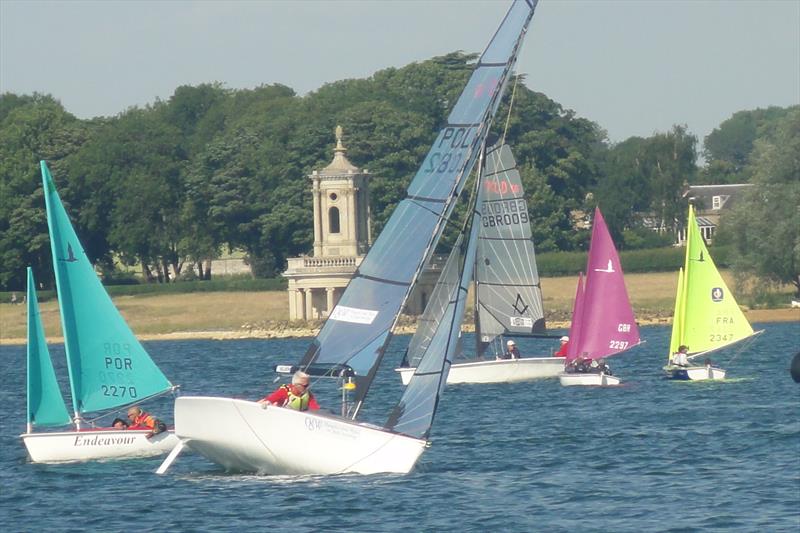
575, 325
604, 321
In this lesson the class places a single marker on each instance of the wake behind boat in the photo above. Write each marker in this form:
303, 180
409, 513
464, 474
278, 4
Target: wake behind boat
242, 436
602, 317
108, 367
707, 317
508, 295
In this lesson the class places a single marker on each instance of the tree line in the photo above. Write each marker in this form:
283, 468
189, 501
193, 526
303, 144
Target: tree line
175, 184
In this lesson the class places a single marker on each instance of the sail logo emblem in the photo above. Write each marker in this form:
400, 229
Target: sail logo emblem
609, 269
70, 255
519, 305
716, 294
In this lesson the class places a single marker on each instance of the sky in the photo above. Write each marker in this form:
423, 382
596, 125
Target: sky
635, 67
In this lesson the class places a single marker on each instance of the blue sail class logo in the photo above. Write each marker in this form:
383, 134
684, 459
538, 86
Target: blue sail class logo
716, 294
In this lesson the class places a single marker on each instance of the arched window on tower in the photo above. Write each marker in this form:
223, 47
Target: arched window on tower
333, 219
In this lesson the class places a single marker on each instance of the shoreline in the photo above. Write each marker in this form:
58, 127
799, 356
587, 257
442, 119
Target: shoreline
291, 331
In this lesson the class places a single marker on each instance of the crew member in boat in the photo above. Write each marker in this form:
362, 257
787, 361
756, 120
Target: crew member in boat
142, 420
119, 423
680, 358
603, 367
562, 350
512, 352
294, 396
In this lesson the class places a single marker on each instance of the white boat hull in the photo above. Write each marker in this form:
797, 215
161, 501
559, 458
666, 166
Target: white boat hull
694, 373
497, 371
91, 445
587, 379
242, 436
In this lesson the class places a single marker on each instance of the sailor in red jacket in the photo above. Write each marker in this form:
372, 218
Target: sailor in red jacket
294, 396
143, 420
562, 350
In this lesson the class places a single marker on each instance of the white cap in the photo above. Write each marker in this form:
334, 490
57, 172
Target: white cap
510, 343
564, 338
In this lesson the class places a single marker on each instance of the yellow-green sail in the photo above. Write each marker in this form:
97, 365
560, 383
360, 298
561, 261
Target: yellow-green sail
706, 314
677, 316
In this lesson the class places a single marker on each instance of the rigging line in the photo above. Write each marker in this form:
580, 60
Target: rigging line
510, 106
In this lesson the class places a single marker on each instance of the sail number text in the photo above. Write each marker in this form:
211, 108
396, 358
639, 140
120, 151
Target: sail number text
720, 337
450, 150
119, 391
618, 345
504, 213
117, 365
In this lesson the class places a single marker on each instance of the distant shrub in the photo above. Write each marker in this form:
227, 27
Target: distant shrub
647, 260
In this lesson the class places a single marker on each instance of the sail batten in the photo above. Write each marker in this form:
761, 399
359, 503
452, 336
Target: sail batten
108, 367
413, 230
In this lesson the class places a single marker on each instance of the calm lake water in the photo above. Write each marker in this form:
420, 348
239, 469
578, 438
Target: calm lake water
650, 455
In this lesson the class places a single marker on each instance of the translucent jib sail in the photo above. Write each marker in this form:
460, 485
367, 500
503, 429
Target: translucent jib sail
359, 327
508, 292
432, 358
108, 367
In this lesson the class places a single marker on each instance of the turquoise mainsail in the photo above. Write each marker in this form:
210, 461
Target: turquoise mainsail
108, 367
45, 404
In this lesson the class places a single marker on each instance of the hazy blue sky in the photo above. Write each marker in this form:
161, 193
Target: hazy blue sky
634, 67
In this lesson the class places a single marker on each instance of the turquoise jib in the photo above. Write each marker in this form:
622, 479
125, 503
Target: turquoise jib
108, 367
45, 404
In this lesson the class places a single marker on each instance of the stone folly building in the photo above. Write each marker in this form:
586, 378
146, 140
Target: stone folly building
342, 237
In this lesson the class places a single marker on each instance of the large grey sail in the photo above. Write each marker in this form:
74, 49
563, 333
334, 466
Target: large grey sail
359, 327
508, 290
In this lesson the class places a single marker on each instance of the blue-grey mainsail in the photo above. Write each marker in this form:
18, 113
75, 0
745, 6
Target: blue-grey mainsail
45, 403
108, 367
508, 294
359, 327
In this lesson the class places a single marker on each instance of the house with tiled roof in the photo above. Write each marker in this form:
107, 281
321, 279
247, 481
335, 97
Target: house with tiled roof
710, 201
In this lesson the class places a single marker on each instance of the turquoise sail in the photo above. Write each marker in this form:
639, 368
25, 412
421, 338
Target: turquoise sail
108, 367
45, 404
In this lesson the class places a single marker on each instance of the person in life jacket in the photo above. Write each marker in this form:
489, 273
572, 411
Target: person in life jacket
142, 420
294, 396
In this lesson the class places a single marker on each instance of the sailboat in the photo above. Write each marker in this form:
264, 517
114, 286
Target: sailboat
508, 294
707, 317
602, 318
240, 435
108, 367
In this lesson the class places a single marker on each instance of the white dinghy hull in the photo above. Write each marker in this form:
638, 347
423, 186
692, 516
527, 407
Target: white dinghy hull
695, 373
65, 446
502, 371
587, 379
242, 436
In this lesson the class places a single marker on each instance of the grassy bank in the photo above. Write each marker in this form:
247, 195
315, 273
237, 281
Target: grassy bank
231, 314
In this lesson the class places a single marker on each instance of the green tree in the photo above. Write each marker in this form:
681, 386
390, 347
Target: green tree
765, 225
728, 148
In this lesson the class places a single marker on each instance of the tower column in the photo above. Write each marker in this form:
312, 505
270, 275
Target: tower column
329, 295
293, 304
309, 303
317, 219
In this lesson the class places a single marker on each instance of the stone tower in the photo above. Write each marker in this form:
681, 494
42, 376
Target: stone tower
342, 236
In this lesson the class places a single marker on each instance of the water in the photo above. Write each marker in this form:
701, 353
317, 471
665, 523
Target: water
649, 455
